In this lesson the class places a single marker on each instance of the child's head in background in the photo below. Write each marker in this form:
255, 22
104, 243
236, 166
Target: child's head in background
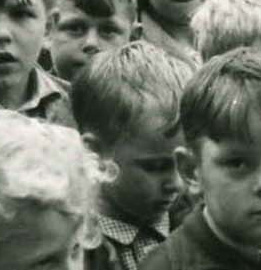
220, 26
220, 114
45, 182
129, 99
81, 28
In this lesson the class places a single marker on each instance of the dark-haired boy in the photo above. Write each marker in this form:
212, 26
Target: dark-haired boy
220, 113
81, 28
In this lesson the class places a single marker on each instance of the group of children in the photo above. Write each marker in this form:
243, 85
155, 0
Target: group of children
99, 168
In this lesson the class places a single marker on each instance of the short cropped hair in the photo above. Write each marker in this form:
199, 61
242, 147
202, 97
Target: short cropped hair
220, 26
218, 99
104, 8
112, 95
43, 165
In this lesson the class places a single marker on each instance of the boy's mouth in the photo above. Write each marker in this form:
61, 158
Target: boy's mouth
6, 57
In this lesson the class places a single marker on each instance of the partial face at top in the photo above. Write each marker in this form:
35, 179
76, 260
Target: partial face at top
41, 239
229, 175
22, 28
177, 11
76, 35
147, 184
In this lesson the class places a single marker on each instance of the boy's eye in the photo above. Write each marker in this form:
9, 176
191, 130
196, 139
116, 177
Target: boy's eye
22, 12
156, 165
109, 30
237, 164
76, 28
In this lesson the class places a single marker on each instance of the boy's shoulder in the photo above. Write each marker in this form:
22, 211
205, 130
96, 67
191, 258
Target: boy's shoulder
178, 252
193, 246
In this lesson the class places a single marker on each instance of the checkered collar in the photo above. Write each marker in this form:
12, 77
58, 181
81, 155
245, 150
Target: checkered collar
125, 233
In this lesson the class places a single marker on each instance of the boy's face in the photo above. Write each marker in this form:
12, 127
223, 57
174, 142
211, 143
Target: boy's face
76, 35
147, 184
230, 178
22, 28
40, 238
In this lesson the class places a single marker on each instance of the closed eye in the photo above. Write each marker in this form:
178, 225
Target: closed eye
22, 12
237, 164
156, 165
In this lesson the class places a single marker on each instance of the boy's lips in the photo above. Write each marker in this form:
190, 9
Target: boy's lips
6, 58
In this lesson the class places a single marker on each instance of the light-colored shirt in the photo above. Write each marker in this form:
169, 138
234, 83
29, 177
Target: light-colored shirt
48, 99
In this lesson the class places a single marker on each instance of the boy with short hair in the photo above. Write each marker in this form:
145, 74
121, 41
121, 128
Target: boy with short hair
81, 28
220, 26
129, 99
220, 113
46, 177
25, 87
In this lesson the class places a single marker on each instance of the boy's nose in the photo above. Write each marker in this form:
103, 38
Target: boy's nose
91, 44
171, 183
5, 31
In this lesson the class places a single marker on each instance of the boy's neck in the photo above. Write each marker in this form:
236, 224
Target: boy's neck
13, 96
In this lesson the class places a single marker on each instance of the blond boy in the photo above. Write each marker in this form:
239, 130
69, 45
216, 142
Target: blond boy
45, 183
220, 26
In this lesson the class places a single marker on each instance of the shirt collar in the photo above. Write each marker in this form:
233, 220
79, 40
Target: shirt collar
41, 86
125, 233
249, 252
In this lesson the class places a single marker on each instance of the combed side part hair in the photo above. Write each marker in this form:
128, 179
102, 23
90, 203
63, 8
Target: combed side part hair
220, 26
218, 99
115, 92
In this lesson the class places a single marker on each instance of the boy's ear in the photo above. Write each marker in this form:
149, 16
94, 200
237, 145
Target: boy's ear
110, 168
187, 164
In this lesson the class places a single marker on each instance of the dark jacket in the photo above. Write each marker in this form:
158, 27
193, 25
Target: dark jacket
193, 246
